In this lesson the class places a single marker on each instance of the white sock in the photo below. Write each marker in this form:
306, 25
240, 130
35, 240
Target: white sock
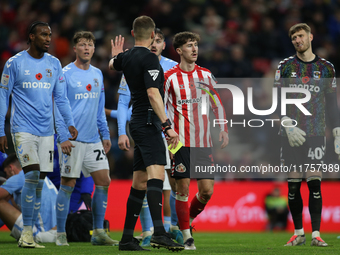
315, 234
172, 228
186, 234
146, 233
27, 228
299, 232
61, 233
97, 231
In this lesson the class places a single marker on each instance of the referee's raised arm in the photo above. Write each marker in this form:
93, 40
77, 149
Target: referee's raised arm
116, 48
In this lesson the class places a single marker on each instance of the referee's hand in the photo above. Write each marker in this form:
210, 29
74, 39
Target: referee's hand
172, 138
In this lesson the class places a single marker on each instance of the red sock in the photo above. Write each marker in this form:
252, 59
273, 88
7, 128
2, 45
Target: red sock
197, 205
182, 210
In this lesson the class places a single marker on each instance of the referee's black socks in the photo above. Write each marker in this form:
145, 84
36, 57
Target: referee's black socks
133, 208
154, 196
295, 202
315, 202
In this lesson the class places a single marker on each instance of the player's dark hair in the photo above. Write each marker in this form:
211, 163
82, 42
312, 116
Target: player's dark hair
11, 159
83, 34
142, 27
183, 37
298, 27
159, 33
33, 28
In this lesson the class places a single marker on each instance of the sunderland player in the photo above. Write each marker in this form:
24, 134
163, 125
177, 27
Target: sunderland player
144, 75
192, 127
123, 114
31, 77
44, 228
85, 90
303, 137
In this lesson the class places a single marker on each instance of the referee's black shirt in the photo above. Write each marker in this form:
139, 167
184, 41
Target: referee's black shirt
142, 70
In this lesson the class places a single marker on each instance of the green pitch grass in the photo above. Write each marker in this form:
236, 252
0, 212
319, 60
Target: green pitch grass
206, 243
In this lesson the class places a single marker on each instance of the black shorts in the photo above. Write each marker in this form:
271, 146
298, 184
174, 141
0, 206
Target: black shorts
149, 146
187, 159
312, 151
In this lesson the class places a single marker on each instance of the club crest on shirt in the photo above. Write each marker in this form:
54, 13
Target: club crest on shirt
49, 73
96, 82
316, 75
180, 168
5, 79
67, 169
26, 158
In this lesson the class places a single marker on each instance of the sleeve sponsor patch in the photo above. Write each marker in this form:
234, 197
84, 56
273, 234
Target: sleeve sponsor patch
5, 79
277, 75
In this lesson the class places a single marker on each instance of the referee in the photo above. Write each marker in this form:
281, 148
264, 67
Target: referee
145, 78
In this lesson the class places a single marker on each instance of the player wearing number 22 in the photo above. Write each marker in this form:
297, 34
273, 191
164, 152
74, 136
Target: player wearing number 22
85, 90
305, 143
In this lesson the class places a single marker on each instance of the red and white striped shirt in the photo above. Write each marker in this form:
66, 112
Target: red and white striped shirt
185, 96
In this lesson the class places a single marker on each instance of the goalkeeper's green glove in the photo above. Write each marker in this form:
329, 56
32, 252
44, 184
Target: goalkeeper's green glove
295, 135
336, 134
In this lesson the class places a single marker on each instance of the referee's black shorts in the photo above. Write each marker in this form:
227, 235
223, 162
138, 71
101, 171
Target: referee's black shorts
149, 146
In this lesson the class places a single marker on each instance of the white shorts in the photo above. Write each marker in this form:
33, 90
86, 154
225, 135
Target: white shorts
85, 157
166, 183
39, 237
32, 149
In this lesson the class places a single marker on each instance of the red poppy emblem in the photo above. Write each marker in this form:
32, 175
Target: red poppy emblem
305, 79
38, 76
89, 87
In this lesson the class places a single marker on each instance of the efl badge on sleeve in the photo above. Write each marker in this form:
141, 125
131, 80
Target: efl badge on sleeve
316, 75
277, 75
5, 79
49, 73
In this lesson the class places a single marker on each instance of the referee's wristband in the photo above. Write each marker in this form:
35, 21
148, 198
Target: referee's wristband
166, 126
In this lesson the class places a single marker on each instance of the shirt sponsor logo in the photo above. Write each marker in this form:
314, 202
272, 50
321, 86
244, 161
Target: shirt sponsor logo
190, 101
309, 87
35, 85
86, 95
153, 74
5, 79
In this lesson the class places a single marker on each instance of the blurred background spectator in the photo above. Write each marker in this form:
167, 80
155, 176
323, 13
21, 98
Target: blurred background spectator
239, 39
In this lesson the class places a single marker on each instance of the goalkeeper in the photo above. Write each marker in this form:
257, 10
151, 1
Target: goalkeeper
303, 136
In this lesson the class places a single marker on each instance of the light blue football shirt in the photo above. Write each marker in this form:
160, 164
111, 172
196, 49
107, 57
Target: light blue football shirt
85, 90
31, 82
123, 102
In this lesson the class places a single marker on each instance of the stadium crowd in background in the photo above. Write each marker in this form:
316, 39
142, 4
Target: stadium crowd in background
238, 39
